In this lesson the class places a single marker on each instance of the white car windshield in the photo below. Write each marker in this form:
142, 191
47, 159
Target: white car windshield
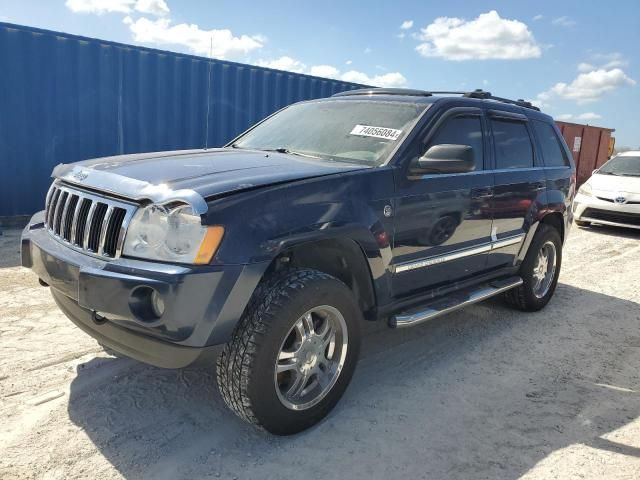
624, 166
350, 131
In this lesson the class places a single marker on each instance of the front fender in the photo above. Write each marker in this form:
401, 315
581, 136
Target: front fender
260, 224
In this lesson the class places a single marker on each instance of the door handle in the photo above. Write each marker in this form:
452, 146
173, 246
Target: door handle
478, 193
537, 186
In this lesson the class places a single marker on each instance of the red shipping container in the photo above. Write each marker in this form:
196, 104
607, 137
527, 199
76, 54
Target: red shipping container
589, 145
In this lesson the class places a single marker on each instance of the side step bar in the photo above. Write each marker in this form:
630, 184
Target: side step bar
454, 302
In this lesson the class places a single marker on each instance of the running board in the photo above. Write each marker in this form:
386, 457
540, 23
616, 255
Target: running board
451, 303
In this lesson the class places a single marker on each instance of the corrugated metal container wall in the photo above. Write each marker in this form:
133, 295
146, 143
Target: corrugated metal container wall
589, 145
65, 98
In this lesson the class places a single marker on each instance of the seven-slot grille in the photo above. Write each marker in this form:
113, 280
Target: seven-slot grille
86, 221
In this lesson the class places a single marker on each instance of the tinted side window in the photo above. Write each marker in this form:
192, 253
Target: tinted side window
512, 144
552, 151
462, 130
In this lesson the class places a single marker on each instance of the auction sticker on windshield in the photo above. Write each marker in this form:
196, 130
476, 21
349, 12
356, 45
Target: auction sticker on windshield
377, 132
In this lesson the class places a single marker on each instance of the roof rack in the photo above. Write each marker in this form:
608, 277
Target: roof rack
384, 91
478, 93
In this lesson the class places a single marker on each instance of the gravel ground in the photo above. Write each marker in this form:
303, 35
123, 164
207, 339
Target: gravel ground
485, 392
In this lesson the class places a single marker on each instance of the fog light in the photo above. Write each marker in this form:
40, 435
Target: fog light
157, 304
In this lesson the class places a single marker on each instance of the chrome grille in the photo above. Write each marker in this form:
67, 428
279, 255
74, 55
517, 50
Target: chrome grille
86, 221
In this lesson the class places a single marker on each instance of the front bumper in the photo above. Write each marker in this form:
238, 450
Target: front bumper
592, 209
107, 299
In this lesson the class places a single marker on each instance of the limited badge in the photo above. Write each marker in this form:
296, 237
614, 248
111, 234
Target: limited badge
377, 132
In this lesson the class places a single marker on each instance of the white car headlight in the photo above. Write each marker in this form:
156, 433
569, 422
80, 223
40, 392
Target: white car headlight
585, 189
171, 235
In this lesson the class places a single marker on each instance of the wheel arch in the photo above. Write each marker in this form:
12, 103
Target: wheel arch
555, 220
339, 257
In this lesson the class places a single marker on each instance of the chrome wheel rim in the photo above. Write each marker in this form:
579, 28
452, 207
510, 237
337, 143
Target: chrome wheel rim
544, 269
311, 357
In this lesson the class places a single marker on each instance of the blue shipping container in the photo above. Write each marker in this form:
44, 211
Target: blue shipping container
65, 98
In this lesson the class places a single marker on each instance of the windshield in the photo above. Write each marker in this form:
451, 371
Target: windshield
351, 131
623, 166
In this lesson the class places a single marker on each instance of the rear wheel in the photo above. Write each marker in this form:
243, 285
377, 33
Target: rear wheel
539, 271
293, 352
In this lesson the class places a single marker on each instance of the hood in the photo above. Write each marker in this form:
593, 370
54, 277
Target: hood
615, 184
185, 174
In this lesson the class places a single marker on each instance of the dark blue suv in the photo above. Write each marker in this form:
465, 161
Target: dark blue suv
379, 204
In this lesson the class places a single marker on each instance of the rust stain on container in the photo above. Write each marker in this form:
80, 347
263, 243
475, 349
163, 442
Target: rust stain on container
589, 146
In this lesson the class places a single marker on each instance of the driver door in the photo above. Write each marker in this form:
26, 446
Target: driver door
442, 220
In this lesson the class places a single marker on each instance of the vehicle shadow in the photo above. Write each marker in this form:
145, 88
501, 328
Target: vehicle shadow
9, 247
612, 231
485, 392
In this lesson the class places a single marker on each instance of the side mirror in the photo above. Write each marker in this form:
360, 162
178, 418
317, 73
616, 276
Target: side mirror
447, 158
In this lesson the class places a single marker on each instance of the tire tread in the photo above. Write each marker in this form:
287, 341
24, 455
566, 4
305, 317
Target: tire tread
234, 365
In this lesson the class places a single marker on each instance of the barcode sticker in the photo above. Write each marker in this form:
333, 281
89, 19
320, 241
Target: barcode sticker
377, 132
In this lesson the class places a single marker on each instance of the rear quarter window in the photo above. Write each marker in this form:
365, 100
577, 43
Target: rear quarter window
553, 154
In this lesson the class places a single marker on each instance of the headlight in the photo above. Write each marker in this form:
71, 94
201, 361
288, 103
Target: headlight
172, 235
585, 189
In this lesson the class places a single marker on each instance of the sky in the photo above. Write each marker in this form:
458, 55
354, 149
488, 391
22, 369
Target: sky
578, 60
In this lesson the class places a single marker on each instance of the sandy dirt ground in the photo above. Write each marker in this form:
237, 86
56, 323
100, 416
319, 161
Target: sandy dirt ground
484, 393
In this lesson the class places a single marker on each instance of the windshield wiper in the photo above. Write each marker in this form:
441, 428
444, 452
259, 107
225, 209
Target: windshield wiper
290, 152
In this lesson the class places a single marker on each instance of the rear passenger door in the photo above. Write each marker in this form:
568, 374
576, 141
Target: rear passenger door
519, 182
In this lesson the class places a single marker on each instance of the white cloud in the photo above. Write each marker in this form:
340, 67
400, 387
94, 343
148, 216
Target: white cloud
348, 62
538, 17
327, 71
588, 87
585, 67
367, 50
581, 117
391, 79
220, 43
99, 7
406, 25
563, 21
611, 60
604, 61
153, 7
487, 37
284, 63
401, 35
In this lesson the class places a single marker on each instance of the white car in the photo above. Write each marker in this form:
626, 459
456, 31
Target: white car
612, 195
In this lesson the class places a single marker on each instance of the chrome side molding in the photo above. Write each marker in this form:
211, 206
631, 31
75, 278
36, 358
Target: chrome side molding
466, 252
449, 304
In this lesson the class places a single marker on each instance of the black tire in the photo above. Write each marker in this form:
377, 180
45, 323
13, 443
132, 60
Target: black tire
523, 297
580, 223
246, 366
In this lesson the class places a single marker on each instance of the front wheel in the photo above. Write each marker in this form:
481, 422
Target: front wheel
293, 352
539, 271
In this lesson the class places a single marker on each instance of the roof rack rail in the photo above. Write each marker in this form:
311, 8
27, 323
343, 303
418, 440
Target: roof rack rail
384, 91
478, 93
